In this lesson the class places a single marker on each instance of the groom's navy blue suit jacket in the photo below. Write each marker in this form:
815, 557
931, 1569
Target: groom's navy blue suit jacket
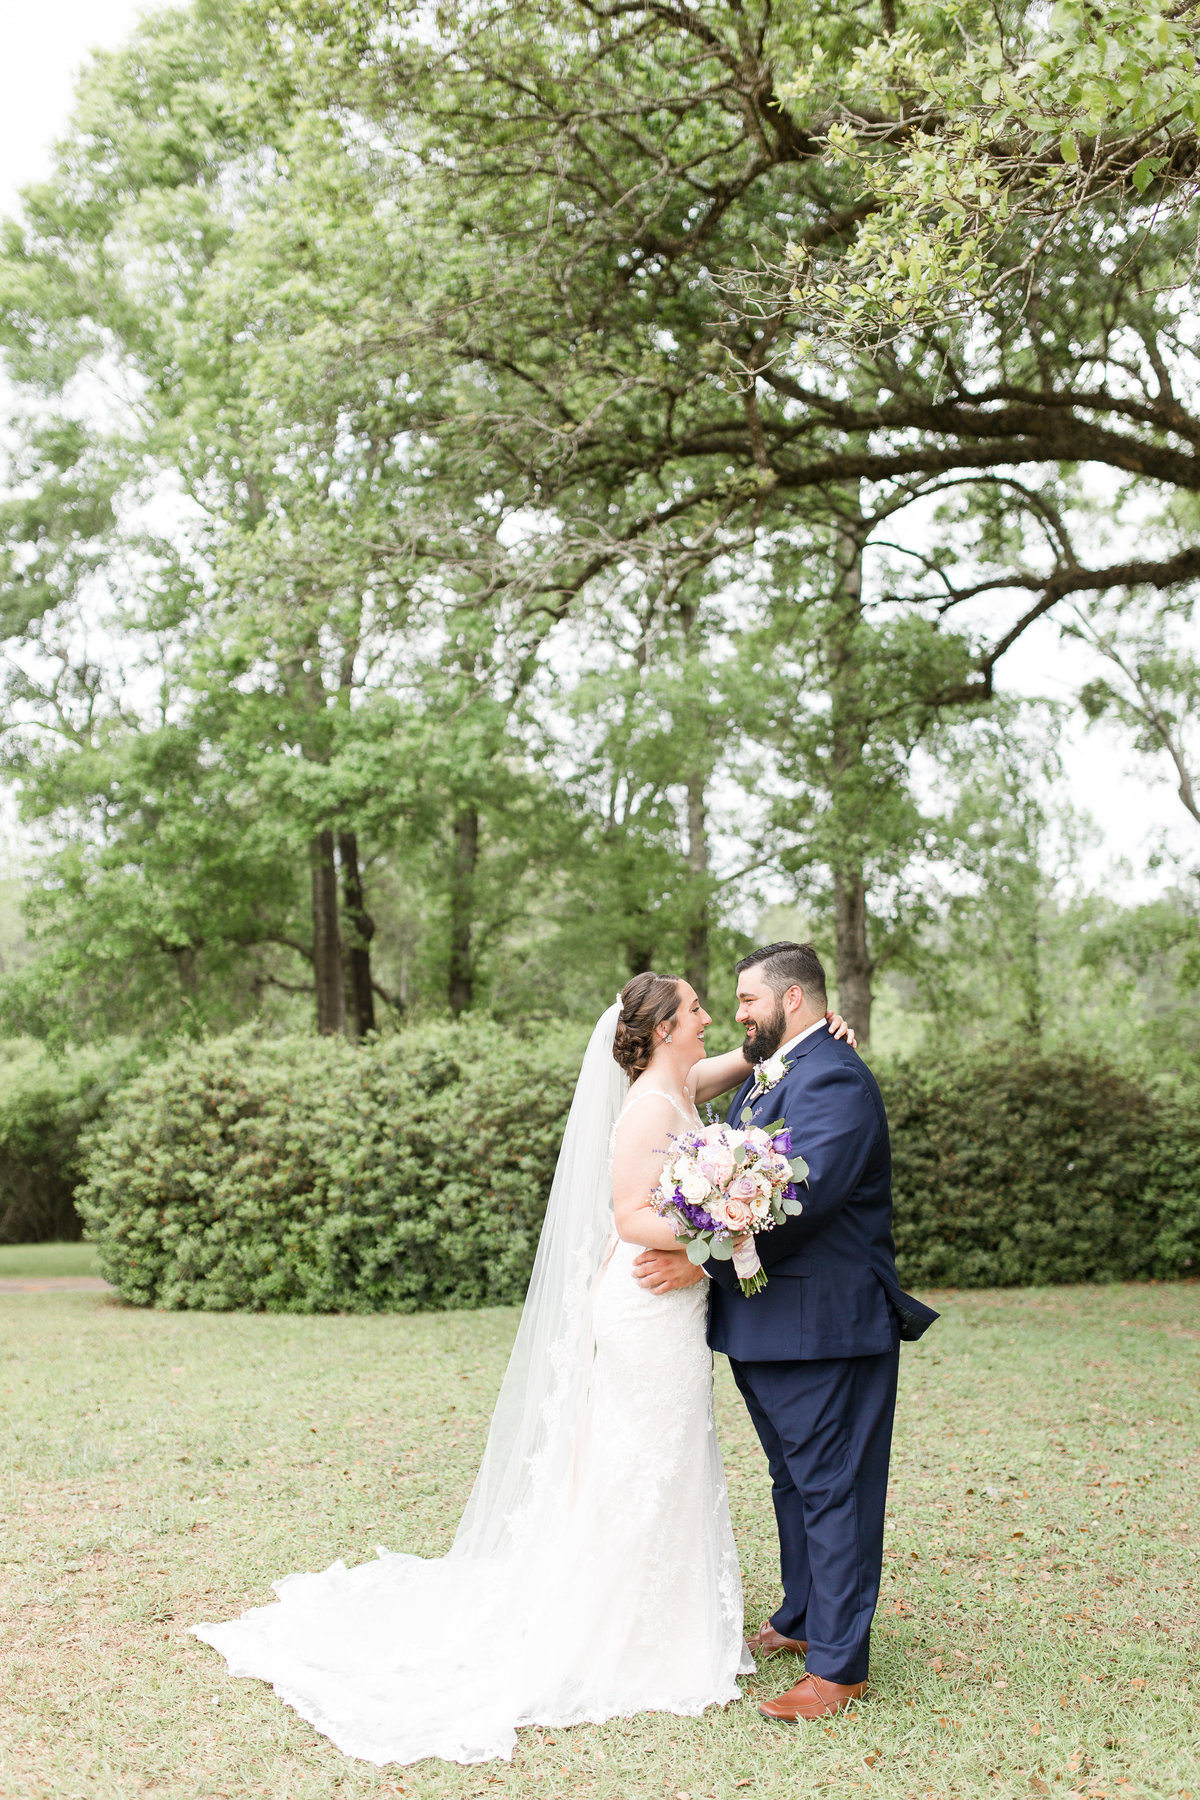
831, 1273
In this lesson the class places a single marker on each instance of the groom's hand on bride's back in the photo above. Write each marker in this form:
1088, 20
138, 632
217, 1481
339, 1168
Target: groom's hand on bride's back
662, 1271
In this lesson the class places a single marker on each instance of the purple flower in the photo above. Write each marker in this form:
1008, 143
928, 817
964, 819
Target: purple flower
789, 1192
782, 1141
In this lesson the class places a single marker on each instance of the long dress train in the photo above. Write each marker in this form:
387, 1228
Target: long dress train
611, 1589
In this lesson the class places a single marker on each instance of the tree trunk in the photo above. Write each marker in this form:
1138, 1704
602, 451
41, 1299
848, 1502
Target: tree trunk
695, 949
462, 908
327, 948
1033, 987
849, 726
185, 963
853, 953
638, 957
360, 995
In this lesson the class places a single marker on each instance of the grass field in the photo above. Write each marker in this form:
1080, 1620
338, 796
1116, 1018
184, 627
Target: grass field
36, 1262
1037, 1631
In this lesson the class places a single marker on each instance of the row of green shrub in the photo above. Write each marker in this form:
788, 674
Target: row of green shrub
1020, 1169
46, 1103
307, 1175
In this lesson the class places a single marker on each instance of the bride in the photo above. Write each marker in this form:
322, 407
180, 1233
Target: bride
594, 1572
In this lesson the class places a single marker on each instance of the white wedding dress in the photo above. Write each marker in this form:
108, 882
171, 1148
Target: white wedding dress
594, 1574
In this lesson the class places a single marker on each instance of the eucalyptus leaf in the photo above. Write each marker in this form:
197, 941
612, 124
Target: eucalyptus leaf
698, 1251
722, 1250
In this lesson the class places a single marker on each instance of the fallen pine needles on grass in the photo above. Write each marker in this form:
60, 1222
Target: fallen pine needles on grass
1036, 1631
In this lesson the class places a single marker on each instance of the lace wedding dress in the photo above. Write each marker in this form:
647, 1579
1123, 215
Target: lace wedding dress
594, 1574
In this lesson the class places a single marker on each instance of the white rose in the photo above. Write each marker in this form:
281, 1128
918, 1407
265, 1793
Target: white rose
774, 1069
762, 1201
694, 1185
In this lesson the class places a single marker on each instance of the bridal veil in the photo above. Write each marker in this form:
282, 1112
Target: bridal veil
531, 1445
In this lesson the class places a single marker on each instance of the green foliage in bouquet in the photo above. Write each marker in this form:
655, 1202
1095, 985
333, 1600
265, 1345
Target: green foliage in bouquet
1018, 1169
305, 1175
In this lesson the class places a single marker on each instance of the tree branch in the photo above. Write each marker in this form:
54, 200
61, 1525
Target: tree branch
1172, 571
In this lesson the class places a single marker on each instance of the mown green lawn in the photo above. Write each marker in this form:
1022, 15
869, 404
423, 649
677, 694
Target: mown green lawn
1037, 1633
37, 1262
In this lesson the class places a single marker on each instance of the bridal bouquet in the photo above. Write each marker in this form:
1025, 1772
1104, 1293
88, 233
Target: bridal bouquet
722, 1184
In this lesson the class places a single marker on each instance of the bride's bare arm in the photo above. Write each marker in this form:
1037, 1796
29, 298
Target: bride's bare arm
716, 1074
641, 1142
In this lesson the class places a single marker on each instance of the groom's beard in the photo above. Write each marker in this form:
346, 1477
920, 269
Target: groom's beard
767, 1038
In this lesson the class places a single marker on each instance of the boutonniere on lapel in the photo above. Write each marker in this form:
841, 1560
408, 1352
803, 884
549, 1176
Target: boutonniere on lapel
767, 1075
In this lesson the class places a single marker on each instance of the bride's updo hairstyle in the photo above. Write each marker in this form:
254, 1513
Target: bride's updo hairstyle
647, 1002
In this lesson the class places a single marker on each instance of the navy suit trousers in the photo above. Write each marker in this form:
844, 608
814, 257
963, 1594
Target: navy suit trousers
826, 1428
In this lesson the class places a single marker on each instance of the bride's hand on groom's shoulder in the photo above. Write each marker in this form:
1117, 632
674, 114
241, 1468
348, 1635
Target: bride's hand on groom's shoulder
662, 1271
840, 1029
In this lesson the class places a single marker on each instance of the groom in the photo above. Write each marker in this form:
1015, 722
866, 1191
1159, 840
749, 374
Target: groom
815, 1353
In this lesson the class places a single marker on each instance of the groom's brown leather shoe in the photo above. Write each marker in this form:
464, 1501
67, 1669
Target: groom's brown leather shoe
768, 1642
812, 1698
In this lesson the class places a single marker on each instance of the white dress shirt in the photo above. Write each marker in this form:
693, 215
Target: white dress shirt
799, 1038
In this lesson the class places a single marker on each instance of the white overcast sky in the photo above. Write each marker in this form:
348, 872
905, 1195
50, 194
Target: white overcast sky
42, 45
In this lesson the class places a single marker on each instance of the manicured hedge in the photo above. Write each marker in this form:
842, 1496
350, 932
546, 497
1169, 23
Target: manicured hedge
306, 1175
1019, 1169
411, 1173
45, 1103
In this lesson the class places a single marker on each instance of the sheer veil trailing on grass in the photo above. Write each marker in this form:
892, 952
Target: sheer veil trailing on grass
593, 1573
531, 1445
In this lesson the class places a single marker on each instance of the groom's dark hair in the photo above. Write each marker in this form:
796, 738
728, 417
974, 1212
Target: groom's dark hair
789, 965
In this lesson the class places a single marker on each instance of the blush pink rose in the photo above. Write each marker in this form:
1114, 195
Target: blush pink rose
739, 1214
716, 1160
744, 1188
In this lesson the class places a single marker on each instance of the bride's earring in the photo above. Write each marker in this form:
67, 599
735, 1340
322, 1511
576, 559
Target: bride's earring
667, 1038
